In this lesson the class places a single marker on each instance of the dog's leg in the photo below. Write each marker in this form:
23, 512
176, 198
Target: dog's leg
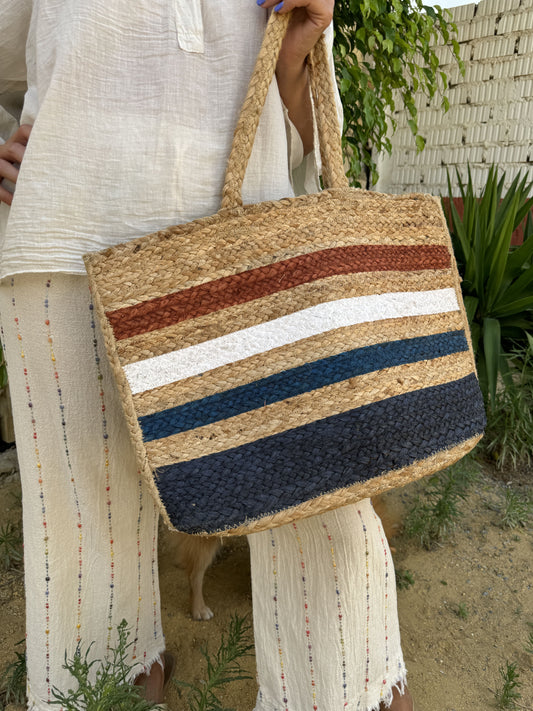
196, 554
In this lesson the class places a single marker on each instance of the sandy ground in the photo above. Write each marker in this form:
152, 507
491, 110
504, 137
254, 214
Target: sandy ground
469, 611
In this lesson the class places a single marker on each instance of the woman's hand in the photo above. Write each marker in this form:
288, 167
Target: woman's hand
308, 21
11, 155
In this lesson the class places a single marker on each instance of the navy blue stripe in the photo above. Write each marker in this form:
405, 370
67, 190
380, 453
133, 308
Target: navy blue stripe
297, 381
224, 490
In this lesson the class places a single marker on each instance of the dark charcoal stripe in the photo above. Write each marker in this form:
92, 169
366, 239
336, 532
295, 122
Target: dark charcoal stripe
280, 276
224, 490
297, 381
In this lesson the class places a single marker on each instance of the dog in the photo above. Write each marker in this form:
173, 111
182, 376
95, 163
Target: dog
196, 553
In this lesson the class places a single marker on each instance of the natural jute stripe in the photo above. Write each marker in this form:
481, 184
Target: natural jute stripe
264, 281
292, 356
235, 318
302, 409
208, 251
358, 491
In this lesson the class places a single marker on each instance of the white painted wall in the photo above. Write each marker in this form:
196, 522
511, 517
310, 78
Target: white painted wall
491, 107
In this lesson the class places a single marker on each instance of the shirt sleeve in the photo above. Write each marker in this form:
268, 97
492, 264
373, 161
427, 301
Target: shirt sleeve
14, 23
305, 170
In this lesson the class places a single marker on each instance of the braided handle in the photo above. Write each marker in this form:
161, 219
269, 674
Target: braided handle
325, 110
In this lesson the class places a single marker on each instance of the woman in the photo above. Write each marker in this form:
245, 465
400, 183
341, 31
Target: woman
133, 112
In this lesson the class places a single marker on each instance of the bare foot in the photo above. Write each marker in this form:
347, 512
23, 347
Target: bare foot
152, 683
400, 702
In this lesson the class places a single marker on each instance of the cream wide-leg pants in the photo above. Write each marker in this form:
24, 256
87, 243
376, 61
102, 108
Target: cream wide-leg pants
325, 619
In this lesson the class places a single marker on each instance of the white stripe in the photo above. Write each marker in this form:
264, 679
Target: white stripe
171, 367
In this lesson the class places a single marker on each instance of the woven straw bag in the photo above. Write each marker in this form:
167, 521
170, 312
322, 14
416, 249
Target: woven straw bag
281, 359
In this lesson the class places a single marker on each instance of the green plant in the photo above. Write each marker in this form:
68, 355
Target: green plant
462, 611
10, 546
13, 681
434, 514
517, 511
509, 432
384, 52
508, 694
404, 578
222, 669
111, 689
497, 277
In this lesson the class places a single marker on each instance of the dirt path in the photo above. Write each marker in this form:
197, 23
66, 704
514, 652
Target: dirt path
469, 611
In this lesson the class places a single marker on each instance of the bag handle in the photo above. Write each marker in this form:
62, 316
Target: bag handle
324, 104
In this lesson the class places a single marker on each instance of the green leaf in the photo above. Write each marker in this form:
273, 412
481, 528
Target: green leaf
519, 257
514, 307
491, 348
500, 252
471, 305
420, 143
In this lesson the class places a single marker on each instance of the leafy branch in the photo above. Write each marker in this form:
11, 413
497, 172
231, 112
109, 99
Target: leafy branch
384, 50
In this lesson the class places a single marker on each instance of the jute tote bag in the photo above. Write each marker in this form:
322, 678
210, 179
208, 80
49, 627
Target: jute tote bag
281, 359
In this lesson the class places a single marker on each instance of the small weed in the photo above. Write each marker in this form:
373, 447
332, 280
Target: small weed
508, 694
462, 611
517, 511
443, 582
222, 669
529, 644
434, 515
13, 681
111, 689
404, 578
10, 546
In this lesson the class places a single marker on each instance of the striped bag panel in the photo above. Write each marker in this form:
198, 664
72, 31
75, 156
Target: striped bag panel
341, 362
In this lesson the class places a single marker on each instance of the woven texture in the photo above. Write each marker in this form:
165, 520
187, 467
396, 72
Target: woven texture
281, 359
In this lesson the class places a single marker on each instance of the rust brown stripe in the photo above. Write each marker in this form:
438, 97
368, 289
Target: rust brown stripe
235, 318
281, 276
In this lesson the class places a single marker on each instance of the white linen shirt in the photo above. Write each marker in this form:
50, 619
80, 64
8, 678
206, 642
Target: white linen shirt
134, 106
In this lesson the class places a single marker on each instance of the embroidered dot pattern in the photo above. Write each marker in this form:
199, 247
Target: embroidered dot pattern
276, 618
139, 555
105, 437
386, 600
40, 479
367, 573
67, 455
307, 617
154, 573
339, 612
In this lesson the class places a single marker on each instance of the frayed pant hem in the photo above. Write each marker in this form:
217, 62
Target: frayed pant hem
385, 697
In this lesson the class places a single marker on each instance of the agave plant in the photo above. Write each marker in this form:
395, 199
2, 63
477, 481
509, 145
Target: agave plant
497, 277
